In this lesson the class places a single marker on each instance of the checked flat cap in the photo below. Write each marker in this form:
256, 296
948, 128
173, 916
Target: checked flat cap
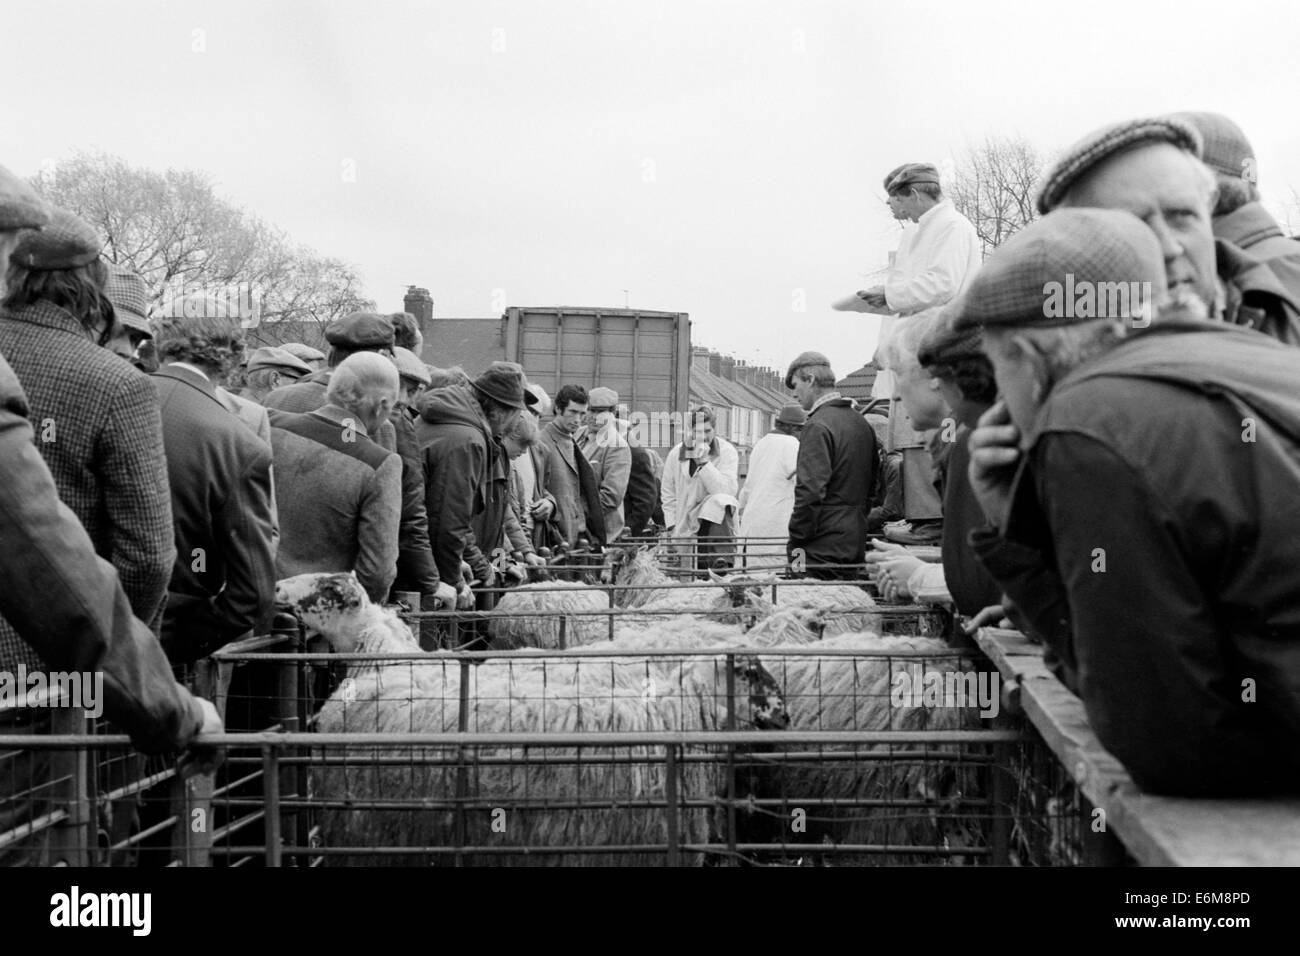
1224, 147
20, 206
913, 173
409, 366
130, 298
271, 356
602, 397
66, 242
945, 343
1110, 141
304, 352
1071, 266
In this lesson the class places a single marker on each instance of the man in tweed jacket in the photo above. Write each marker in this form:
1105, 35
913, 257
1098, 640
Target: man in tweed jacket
95, 416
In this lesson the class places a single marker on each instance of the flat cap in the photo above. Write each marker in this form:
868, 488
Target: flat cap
804, 360
543, 401
361, 330
912, 174
20, 206
66, 242
889, 176
304, 352
271, 356
408, 366
1224, 147
504, 382
1071, 266
945, 343
130, 298
1102, 144
791, 414
602, 398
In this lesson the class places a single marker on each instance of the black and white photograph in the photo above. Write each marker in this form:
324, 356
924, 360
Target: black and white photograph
718, 434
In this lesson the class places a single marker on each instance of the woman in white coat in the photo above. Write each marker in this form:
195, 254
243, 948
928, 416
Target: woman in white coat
767, 499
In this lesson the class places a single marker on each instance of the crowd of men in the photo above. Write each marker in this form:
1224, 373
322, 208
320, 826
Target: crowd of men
1099, 426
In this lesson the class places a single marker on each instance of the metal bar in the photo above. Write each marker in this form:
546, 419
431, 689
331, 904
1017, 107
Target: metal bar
670, 805
731, 753
72, 838
462, 768
271, 783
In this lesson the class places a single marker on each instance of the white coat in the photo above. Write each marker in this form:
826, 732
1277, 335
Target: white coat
707, 494
767, 499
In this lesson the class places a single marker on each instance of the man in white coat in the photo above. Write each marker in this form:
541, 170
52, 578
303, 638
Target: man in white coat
767, 500
699, 483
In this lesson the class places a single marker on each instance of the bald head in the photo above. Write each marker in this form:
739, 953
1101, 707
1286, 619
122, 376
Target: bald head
366, 384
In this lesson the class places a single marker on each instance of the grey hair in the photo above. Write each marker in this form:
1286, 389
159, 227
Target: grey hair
523, 430
1062, 348
1234, 192
900, 352
362, 377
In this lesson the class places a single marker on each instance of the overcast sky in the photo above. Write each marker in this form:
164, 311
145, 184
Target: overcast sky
721, 159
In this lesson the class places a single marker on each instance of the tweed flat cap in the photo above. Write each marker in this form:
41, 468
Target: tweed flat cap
1224, 147
283, 360
408, 366
602, 398
804, 360
504, 382
130, 298
304, 352
20, 206
791, 414
912, 174
889, 178
1110, 141
66, 242
944, 343
1071, 266
361, 330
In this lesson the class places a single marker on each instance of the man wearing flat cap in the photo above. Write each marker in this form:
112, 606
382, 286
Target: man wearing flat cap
767, 499
1151, 167
130, 298
467, 470
268, 368
1141, 480
608, 453
372, 332
1239, 217
833, 475
96, 416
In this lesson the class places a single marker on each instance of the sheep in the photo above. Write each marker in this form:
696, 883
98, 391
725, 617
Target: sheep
526, 691
538, 624
854, 693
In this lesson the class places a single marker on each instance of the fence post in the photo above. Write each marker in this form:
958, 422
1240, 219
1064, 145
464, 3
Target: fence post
196, 808
1000, 801
462, 771
731, 755
72, 841
271, 783
670, 805
285, 627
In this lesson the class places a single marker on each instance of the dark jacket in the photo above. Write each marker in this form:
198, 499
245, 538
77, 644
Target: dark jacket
837, 461
1256, 298
1251, 229
223, 584
67, 604
968, 581
1152, 541
340, 498
416, 570
642, 498
467, 480
97, 427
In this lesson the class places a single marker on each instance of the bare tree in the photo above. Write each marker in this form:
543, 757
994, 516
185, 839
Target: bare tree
175, 231
993, 186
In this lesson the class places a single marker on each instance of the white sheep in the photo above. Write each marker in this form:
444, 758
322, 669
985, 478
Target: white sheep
520, 692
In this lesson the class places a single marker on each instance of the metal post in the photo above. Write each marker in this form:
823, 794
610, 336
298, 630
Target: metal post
611, 616
72, 840
462, 771
1000, 796
271, 784
731, 755
196, 821
670, 805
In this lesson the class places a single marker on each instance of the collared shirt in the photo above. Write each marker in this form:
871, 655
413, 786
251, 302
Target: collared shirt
935, 264
828, 397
